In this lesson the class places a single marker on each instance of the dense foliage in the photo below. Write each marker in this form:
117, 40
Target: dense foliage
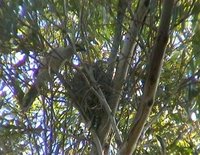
64, 118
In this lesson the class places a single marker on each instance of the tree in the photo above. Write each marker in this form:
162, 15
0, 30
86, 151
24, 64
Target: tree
131, 86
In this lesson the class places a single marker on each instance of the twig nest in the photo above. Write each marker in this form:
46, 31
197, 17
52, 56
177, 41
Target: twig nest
81, 85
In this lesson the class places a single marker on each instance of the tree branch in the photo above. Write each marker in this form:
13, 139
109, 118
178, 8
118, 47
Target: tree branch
127, 52
122, 5
152, 80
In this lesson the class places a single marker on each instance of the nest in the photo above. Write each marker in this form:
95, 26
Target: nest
86, 100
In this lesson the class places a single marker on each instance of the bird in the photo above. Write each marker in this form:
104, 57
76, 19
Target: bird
49, 66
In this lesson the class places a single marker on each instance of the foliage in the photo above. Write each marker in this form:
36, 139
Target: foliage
55, 123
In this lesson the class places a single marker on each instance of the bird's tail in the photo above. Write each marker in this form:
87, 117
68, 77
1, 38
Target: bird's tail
29, 98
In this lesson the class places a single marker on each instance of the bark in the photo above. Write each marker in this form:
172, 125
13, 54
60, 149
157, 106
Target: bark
109, 120
122, 5
127, 52
152, 80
